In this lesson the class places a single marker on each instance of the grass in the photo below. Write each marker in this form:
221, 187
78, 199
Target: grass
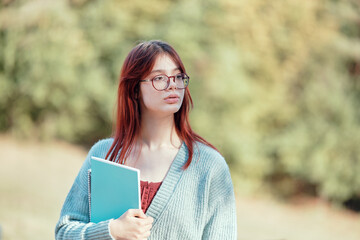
35, 178
34, 181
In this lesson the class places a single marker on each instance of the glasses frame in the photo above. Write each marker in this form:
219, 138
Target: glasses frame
168, 81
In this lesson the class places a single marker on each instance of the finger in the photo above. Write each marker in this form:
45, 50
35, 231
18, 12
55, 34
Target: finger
137, 213
147, 228
148, 221
143, 222
145, 235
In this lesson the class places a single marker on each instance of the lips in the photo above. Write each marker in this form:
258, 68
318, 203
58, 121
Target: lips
172, 98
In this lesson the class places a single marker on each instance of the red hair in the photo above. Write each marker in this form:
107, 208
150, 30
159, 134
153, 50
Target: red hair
137, 65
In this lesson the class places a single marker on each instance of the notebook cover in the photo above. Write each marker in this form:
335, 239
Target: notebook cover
115, 188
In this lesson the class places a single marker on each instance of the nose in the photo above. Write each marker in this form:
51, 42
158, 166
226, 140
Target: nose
172, 83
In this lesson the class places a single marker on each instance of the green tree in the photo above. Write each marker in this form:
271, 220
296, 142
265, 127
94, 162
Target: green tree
275, 83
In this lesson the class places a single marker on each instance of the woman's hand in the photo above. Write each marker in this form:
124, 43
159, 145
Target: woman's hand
133, 224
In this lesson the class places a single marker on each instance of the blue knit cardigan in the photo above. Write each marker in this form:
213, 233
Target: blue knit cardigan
196, 203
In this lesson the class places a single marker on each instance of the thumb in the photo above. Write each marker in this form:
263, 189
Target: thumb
138, 213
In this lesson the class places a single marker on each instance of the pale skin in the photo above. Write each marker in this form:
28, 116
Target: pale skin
156, 148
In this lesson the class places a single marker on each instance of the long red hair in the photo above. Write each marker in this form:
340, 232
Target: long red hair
137, 65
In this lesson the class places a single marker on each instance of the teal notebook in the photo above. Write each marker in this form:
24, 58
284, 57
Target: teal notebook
114, 188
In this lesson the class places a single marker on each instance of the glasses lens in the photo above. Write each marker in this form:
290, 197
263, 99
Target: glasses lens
182, 80
160, 82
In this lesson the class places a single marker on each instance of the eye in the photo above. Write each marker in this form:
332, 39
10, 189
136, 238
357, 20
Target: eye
160, 78
179, 76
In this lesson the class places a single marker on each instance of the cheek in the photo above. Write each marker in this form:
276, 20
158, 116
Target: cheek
148, 96
182, 95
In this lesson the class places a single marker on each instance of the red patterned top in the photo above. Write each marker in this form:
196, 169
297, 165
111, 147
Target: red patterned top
148, 191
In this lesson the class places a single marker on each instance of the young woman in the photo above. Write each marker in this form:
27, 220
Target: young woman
186, 188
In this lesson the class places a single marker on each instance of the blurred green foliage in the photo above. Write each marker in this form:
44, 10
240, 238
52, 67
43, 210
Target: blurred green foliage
275, 83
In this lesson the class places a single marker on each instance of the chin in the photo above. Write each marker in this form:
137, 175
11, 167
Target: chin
163, 109
171, 109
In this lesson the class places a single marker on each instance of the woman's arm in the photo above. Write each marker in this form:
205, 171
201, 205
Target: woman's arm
221, 214
74, 219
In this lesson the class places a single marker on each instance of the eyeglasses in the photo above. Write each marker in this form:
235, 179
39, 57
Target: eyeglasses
162, 82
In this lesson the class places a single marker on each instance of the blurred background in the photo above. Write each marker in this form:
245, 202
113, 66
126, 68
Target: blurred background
276, 87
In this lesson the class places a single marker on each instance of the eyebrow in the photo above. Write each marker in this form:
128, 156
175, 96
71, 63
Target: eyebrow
163, 70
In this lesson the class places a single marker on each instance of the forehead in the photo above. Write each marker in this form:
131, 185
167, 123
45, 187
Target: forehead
164, 62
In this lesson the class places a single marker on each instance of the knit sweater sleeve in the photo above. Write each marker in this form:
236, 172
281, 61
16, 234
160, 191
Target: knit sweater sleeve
221, 214
74, 222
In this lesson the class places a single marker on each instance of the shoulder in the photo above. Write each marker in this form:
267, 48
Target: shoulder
208, 154
208, 160
210, 166
101, 147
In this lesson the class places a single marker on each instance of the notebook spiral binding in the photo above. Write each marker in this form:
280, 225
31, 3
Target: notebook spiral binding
89, 192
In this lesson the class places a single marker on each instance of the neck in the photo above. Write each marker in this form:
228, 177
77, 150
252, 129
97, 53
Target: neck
159, 131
